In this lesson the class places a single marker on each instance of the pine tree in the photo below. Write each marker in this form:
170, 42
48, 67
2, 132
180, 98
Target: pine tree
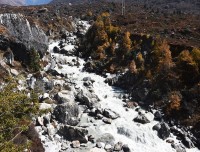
34, 63
16, 109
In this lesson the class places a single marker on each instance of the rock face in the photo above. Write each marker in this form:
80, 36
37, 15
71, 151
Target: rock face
13, 2
28, 34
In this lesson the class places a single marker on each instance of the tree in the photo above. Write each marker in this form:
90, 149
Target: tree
196, 56
161, 56
187, 67
175, 102
34, 63
124, 46
16, 109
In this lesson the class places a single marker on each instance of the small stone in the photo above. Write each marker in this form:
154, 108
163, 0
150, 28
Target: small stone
83, 145
76, 144
40, 121
100, 145
91, 139
107, 120
14, 72
118, 146
171, 141
110, 114
157, 116
99, 116
141, 118
51, 130
126, 148
108, 147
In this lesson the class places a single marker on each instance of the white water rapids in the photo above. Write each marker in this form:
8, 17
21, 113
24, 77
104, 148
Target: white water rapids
139, 137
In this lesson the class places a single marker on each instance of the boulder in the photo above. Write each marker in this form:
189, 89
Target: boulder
126, 148
179, 147
56, 50
106, 138
14, 72
62, 98
87, 98
25, 32
51, 130
187, 142
164, 131
107, 120
108, 147
67, 113
157, 127
88, 79
118, 146
40, 121
100, 145
158, 116
141, 118
72, 133
110, 114
76, 144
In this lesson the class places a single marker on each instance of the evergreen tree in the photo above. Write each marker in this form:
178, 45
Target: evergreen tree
16, 109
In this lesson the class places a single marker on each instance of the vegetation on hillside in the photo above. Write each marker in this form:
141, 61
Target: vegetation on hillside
172, 83
16, 110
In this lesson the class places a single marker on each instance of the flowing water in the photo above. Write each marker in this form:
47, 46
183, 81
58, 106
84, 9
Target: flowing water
139, 137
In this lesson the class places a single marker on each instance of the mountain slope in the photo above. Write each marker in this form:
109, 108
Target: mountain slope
13, 2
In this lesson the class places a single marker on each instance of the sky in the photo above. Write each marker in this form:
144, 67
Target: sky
37, 2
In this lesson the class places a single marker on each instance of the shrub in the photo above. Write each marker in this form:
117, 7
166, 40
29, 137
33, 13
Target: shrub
175, 103
15, 115
34, 63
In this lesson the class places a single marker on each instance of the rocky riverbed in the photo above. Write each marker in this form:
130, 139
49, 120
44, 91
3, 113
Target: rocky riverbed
86, 114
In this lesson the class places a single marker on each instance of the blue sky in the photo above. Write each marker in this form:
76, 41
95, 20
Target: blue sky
37, 2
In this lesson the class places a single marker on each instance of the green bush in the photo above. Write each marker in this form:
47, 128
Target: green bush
16, 109
34, 63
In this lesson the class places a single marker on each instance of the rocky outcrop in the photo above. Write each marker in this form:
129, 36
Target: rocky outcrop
24, 33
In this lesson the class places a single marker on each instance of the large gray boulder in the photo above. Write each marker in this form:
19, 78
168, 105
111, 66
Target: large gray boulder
164, 131
67, 113
110, 114
141, 118
87, 98
73, 133
106, 138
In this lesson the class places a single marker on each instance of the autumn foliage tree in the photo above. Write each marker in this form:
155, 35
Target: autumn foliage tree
187, 67
124, 46
161, 56
101, 37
